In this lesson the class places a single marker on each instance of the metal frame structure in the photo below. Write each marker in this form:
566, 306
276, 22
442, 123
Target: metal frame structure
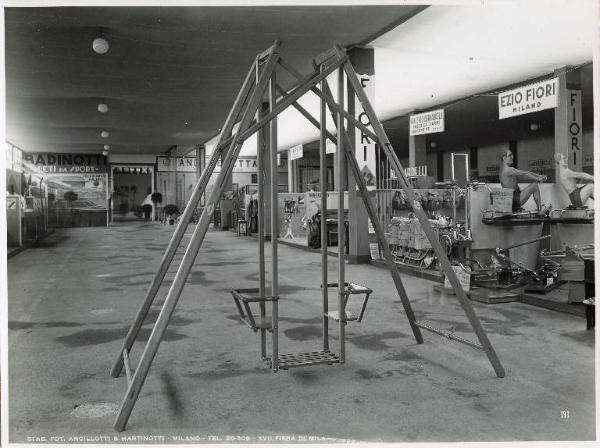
247, 110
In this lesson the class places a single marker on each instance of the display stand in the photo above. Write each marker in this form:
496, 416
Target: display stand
260, 79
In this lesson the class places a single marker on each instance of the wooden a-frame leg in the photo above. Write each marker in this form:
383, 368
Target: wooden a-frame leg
177, 236
391, 265
386, 146
189, 257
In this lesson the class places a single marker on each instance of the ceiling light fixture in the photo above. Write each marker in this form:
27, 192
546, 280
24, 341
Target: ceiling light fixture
534, 126
102, 108
104, 134
432, 144
107, 147
100, 44
105, 152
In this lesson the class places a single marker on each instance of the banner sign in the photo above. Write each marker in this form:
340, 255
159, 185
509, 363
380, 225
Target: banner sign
179, 164
67, 163
330, 147
296, 152
365, 146
416, 171
427, 122
575, 136
531, 98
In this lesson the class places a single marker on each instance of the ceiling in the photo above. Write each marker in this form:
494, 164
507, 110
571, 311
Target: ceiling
170, 75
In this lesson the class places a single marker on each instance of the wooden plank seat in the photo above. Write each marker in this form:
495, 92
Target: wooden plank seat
243, 297
291, 360
351, 289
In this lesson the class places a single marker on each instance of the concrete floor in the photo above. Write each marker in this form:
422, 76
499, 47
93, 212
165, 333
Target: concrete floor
72, 299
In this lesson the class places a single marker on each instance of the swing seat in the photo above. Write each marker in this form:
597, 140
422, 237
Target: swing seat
351, 289
243, 298
291, 360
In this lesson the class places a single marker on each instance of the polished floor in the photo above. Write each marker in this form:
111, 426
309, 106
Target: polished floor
72, 298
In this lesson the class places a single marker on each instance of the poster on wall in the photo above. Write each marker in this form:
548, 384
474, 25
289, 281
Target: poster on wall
77, 200
292, 216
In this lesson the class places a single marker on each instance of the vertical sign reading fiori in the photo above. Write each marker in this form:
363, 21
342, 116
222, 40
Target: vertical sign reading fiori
365, 146
575, 137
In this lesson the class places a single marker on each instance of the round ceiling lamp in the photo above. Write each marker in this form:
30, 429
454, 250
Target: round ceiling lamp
104, 134
534, 126
105, 152
432, 144
106, 147
102, 108
100, 45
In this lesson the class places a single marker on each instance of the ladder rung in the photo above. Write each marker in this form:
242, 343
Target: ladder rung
449, 335
127, 366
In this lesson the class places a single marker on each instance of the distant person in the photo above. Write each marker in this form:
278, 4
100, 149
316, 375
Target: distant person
147, 207
568, 179
510, 177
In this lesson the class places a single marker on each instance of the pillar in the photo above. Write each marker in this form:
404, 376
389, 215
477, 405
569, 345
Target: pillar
568, 129
363, 60
264, 172
417, 150
200, 165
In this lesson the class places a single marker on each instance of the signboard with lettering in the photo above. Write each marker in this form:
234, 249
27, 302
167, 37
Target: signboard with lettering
416, 171
67, 163
330, 147
296, 152
427, 122
527, 99
575, 136
179, 164
364, 145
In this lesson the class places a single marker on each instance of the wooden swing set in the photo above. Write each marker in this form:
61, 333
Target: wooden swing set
247, 110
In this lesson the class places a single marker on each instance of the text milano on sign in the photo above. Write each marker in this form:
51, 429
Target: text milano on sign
531, 98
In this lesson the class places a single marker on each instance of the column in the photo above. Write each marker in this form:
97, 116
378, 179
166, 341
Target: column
264, 172
417, 150
568, 129
363, 60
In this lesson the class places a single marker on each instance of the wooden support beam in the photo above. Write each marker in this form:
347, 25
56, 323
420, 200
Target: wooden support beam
386, 146
307, 115
285, 102
323, 184
189, 257
371, 211
341, 221
331, 102
177, 236
274, 222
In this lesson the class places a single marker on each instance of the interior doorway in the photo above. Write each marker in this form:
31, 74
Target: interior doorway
131, 184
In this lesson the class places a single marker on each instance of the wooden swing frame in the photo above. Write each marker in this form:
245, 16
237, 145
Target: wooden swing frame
247, 111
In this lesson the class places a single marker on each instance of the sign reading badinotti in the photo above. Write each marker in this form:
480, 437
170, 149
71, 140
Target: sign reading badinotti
527, 99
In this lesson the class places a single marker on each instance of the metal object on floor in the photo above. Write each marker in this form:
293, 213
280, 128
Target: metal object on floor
242, 227
248, 113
